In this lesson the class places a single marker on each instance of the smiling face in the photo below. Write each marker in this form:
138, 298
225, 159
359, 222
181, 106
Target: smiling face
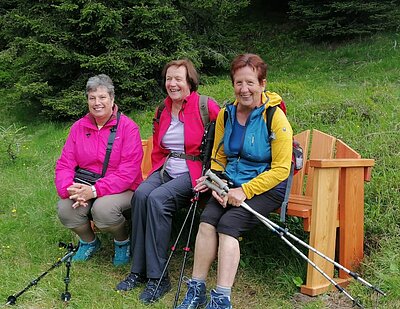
176, 83
247, 87
100, 104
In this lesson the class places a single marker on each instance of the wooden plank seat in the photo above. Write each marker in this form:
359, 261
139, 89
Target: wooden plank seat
328, 194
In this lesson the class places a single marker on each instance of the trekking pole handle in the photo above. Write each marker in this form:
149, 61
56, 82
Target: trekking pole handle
222, 185
214, 187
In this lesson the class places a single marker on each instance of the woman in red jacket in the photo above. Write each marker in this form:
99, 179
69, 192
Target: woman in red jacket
176, 165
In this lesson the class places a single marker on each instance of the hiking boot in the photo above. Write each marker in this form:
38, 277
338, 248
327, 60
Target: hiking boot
218, 301
132, 281
150, 295
122, 252
86, 250
195, 296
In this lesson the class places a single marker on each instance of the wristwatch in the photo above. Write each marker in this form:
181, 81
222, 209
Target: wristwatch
94, 191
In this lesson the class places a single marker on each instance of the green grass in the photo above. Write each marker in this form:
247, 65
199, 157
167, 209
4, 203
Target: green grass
350, 90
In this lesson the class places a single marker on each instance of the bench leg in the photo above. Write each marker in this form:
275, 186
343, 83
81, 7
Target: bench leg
351, 218
323, 228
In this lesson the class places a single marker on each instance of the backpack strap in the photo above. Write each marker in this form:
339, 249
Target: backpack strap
287, 193
270, 113
156, 119
110, 143
203, 107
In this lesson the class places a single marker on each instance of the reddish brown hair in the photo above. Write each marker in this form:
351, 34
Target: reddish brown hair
191, 74
251, 60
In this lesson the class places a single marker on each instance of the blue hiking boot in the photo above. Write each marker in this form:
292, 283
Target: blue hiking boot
130, 282
195, 296
218, 301
151, 293
86, 250
122, 252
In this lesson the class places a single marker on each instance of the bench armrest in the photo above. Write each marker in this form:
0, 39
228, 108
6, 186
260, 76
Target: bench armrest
367, 164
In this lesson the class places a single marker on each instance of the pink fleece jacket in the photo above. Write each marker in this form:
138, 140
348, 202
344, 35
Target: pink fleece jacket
193, 132
86, 147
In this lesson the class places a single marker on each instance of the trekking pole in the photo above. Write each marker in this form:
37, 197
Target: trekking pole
283, 232
173, 249
186, 249
11, 300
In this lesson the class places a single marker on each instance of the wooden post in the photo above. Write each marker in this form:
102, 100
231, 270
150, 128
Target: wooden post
323, 228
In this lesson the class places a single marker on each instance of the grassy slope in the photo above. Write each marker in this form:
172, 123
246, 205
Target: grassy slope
351, 91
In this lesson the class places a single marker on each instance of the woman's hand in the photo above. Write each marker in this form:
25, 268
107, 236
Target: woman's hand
80, 193
200, 187
221, 199
236, 196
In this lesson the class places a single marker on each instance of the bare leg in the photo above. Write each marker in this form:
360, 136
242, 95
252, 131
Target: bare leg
205, 250
119, 231
84, 232
228, 260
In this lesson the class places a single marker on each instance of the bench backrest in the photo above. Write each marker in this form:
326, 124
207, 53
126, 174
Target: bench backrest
318, 146
146, 162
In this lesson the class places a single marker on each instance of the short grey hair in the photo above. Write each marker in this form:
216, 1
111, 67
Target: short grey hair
100, 80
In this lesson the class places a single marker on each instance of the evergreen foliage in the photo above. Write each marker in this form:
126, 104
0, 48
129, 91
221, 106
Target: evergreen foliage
334, 19
50, 48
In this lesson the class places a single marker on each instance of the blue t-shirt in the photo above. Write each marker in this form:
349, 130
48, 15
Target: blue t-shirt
236, 140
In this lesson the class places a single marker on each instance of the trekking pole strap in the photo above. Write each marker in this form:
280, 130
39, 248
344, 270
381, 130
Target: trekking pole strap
287, 193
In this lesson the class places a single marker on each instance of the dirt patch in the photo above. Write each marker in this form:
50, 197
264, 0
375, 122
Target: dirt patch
332, 300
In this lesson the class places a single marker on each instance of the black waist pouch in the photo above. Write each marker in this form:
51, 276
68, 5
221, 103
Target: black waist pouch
86, 177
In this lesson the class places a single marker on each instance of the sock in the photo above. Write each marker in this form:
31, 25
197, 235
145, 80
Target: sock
88, 242
121, 242
199, 280
226, 291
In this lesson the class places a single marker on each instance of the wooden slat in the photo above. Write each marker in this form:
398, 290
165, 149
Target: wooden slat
322, 147
330, 163
351, 218
344, 151
299, 206
298, 180
146, 162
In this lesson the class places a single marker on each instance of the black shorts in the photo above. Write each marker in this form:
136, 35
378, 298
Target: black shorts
233, 221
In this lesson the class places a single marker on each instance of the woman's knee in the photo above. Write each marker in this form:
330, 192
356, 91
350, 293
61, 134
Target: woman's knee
63, 209
139, 198
69, 216
206, 230
158, 201
106, 214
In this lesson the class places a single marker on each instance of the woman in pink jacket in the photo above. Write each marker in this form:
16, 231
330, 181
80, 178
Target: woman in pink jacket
108, 199
176, 165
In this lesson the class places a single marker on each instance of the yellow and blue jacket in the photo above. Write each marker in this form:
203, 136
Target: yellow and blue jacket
262, 164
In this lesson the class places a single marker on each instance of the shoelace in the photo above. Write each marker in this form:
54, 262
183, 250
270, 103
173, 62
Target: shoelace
131, 277
151, 287
216, 301
89, 250
193, 291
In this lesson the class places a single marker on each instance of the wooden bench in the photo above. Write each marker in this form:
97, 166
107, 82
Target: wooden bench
328, 194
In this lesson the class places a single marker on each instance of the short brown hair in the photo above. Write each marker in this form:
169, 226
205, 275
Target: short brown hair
191, 74
251, 60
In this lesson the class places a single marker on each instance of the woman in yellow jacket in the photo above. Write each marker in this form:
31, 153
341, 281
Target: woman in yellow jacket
256, 167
